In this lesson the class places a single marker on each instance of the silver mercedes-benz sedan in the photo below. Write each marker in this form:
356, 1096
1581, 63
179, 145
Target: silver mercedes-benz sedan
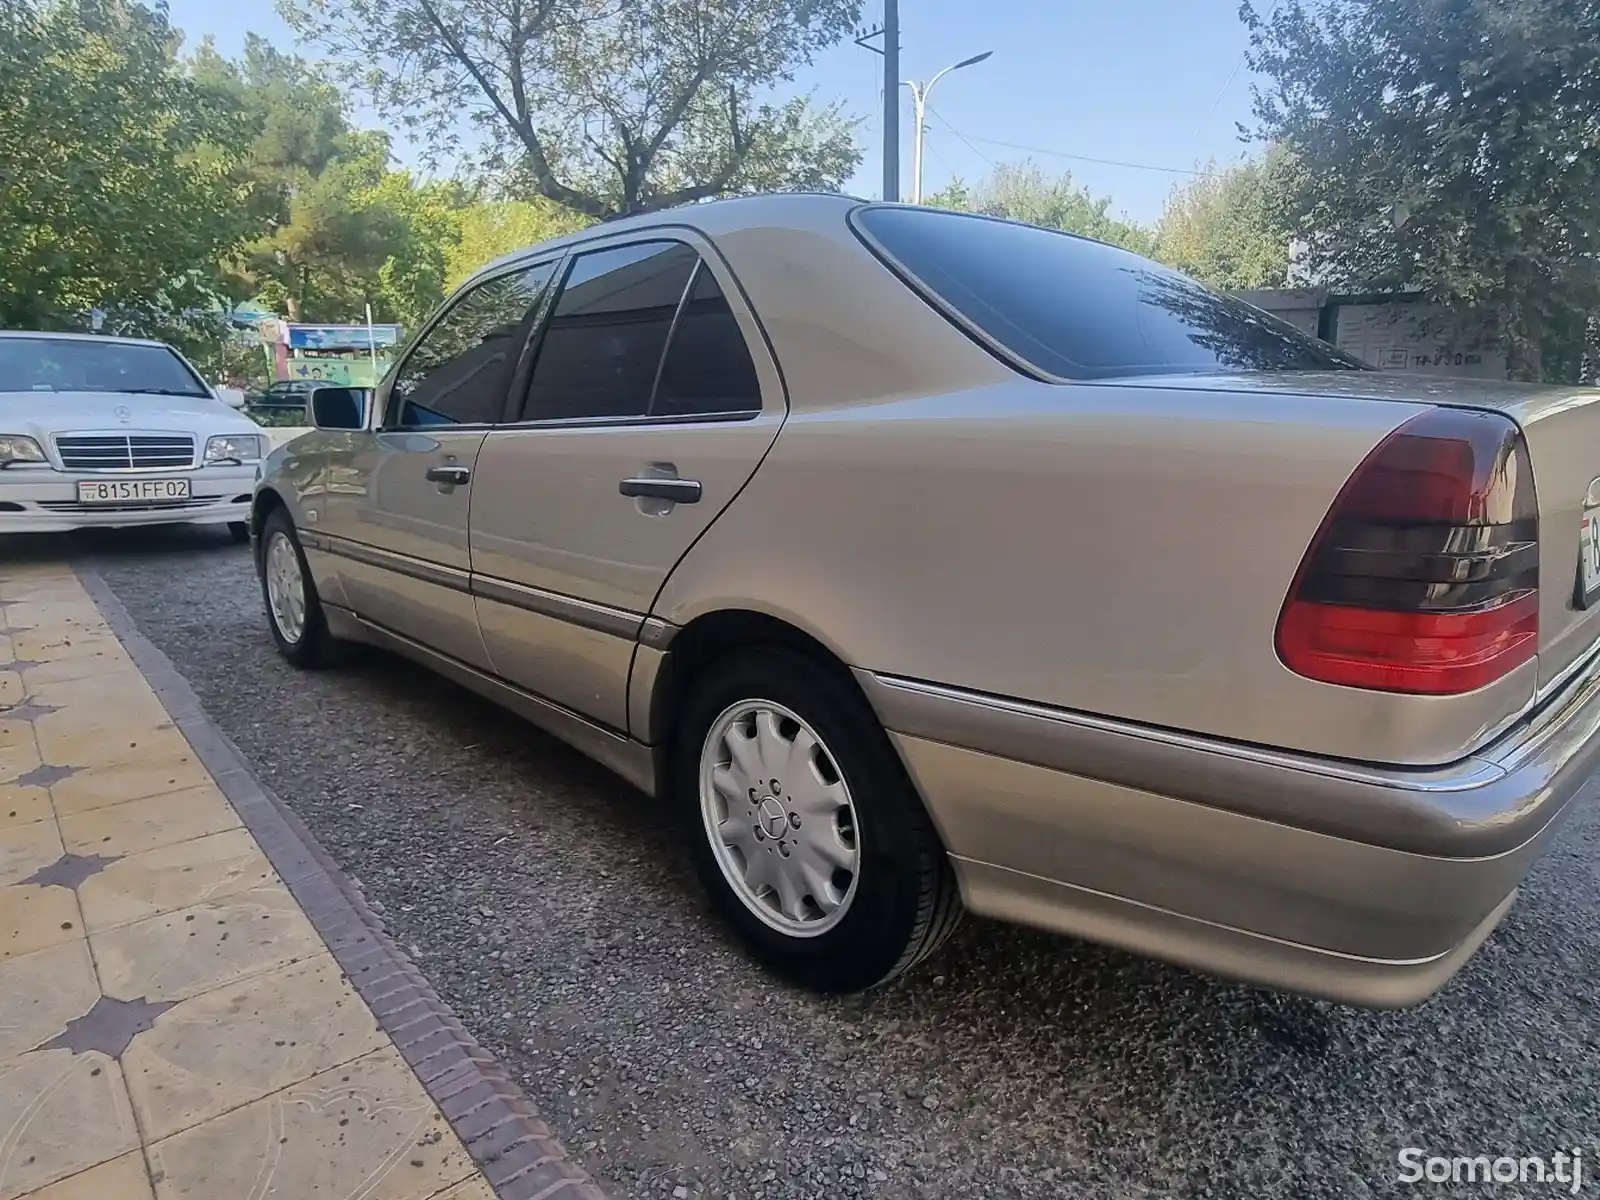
928, 562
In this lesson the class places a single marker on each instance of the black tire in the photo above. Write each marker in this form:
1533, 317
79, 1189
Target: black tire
315, 647
906, 901
239, 531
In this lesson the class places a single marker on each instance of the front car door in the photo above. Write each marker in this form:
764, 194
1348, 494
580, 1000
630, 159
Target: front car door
650, 402
396, 523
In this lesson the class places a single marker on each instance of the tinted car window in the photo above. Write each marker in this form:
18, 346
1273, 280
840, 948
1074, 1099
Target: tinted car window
708, 368
603, 344
459, 372
47, 364
1080, 309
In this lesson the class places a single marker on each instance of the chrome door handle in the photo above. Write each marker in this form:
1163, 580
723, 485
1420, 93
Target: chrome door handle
679, 491
449, 475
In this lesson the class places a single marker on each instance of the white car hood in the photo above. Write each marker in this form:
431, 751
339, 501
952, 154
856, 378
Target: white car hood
42, 414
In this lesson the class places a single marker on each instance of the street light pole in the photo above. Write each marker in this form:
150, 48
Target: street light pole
919, 102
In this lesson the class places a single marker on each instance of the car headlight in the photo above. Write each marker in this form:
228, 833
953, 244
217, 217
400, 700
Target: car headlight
14, 448
234, 447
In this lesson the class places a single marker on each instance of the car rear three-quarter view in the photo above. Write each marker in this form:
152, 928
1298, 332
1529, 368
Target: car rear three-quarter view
928, 561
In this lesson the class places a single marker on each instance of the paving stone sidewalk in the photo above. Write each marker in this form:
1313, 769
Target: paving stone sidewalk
172, 1025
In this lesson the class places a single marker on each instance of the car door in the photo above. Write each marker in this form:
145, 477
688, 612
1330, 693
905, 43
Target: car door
397, 523
650, 401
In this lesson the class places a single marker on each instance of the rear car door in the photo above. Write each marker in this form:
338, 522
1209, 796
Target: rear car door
650, 402
398, 523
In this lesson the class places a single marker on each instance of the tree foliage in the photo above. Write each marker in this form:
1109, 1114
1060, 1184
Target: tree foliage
1447, 146
1023, 192
120, 179
487, 229
1227, 227
604, 106
337, 228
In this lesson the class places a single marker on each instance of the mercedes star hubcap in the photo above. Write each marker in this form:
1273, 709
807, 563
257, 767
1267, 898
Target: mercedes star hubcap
780, 818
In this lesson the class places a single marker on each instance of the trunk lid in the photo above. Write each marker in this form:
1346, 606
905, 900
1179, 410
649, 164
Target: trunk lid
1562, 428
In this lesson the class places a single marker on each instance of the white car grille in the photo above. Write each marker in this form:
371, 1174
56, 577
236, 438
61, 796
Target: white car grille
125, 451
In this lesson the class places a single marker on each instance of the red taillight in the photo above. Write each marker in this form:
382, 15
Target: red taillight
1424, 577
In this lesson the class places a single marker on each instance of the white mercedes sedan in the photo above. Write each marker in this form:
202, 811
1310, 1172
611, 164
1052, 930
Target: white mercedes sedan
100, 432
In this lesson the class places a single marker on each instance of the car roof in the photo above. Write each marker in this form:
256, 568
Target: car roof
719, 216
8, 334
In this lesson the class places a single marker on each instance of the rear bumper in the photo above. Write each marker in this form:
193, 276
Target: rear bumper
1362, 884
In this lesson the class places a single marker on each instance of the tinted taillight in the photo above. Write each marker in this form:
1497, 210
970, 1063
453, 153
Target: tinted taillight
1424, 577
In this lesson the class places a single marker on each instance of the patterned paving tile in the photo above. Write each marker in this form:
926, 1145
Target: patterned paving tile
43, 992
172, 877
241, 1042
32, 918
366, 1128
181, 954
62, 1113
138, 825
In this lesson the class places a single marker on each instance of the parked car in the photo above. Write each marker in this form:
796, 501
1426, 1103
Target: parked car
924, 561
287, 393
100, 432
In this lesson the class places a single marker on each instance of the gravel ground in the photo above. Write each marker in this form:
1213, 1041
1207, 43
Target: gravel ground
553, 907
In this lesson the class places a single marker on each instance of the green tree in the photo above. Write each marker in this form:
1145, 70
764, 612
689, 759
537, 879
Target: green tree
1023, 192
1227, 227
323, 262
298, 117
120, 180
415, 274
486, 229
604, 108
1447, 146
331, 214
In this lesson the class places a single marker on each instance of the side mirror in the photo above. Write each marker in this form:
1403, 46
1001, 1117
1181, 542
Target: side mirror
340, 408
232, 397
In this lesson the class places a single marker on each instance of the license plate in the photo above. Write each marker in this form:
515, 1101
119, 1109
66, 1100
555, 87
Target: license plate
1589, 559
121, 491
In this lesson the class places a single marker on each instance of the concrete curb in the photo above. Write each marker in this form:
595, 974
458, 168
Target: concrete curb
517, 1152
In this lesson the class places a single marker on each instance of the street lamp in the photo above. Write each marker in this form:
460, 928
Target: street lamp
919, 100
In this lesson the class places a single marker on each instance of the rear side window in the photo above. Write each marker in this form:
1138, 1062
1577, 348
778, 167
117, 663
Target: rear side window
459, 372
1080, 309
604, 343
708, 369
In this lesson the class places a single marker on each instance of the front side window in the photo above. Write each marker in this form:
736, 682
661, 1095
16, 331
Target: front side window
47, 364
1079, 309
603, 346
459, 372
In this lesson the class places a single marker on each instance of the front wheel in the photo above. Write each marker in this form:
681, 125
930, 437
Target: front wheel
239, 531
294, 610
807, 833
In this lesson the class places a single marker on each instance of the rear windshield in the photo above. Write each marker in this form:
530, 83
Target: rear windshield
47, 364
1079, 309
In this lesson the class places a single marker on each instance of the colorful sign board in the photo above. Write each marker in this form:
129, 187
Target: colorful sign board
346, 372
341, 337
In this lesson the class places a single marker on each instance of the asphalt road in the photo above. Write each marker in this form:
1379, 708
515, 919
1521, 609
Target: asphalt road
553, 907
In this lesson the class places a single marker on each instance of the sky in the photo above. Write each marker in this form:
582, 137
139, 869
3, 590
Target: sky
1159, 83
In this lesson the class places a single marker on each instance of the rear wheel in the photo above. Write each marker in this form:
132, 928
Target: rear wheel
806, 831
294, 611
